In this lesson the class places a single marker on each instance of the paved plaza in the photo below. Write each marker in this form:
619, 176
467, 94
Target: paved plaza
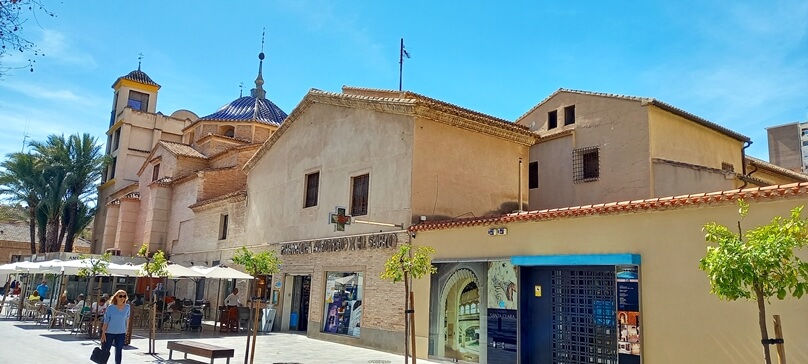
27, 342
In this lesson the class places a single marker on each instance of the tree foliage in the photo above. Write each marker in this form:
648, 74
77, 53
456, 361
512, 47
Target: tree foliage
402, 263
56, 183
763, 257
757, 264
265, 262
14, 16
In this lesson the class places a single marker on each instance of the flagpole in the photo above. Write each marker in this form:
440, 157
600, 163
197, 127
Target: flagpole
400, 63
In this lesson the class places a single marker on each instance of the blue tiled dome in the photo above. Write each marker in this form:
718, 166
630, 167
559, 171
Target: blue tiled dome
249, 108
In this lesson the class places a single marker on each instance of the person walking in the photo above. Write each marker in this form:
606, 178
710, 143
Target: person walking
116, 322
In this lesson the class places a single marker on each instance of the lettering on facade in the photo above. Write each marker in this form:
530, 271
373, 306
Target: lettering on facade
347, 243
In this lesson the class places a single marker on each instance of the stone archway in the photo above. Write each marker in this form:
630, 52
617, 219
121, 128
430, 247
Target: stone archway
451, 334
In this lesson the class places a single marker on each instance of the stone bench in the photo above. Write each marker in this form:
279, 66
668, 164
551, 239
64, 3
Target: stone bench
200, 349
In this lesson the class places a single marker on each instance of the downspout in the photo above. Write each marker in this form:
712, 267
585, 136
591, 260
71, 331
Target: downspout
743, 162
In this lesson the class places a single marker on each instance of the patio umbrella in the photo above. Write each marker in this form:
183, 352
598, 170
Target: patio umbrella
221, 272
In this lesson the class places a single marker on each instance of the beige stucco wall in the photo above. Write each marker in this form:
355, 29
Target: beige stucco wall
675, 138
182, 218
619, 128
681, 321
672, 180
456, 171
339, 143
556, 187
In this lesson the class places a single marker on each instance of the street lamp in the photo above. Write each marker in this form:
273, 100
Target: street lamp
400, 226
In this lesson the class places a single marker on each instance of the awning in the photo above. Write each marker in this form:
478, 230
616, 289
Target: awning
576, 259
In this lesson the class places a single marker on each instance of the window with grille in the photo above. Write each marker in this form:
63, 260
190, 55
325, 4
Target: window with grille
312, 186
569, 115
533, 175
552, 119
359, 195
586, 164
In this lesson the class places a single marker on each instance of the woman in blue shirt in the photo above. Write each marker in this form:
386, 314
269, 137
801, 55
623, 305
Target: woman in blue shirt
116, 320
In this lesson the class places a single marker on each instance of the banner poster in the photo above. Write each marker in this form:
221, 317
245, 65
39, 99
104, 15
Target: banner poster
502, 298
628, 313
455, 320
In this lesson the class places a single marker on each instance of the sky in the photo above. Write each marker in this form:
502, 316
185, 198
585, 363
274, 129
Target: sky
741, 64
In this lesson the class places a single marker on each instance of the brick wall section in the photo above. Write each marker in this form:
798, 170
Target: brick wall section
383, 301
220, 182
243, 132
9, 248
262, 134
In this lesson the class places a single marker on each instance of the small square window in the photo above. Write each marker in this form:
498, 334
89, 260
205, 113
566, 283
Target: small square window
569, 115
552, 119
533, 175
223, 226
586, 164
359, 195
138, 101
727, 167
312, 186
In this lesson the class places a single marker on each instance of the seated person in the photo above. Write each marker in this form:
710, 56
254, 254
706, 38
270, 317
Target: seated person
35, 297
99, 307
79, 304
138, 301
163, 312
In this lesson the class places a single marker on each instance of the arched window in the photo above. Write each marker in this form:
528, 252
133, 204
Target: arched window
227, 131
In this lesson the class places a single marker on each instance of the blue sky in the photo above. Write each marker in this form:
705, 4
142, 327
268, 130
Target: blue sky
741, 64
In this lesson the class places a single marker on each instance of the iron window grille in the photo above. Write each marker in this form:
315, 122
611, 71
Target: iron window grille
586, 164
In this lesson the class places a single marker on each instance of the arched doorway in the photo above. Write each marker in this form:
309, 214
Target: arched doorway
460, 315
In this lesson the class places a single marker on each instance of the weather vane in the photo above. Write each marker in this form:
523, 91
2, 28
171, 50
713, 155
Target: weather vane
139, 59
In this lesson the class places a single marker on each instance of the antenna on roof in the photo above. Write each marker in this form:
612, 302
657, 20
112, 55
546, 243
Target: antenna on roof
139, 59
240, 89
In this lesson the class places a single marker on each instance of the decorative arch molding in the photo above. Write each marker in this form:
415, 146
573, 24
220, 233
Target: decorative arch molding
459, 275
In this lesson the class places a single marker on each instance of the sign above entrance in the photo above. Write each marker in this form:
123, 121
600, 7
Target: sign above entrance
339, 218
345, 243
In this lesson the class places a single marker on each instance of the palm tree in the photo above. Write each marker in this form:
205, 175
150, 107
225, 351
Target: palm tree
87, 164
19, 181
56, 157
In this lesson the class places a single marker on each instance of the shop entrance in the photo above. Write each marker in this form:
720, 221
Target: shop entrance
299, 312
568, 315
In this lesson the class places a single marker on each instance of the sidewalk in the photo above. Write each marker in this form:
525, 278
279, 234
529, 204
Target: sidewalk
26, 342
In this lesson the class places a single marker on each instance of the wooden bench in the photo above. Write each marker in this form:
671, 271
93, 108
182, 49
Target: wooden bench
200, 349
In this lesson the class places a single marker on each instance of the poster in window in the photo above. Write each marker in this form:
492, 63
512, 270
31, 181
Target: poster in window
629, 340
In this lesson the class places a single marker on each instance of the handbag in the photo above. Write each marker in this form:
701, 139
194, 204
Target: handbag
99, 356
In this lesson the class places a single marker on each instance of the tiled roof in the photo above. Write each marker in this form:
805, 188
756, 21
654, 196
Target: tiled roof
775, 168
15, 232
235, 196
138, 76
758, 193
182, 149
249, 108
648, 100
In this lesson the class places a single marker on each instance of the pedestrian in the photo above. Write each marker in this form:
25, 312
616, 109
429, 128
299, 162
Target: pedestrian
42, 288
116, 324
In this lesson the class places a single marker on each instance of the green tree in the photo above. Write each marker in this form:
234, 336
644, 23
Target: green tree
757, 264
19, 184
409, 262
265, 262
98, 267
155, 266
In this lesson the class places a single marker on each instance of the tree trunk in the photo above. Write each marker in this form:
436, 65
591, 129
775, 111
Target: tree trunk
52, 237
32, 230
406, 318
412, 327
69, 227
764, 333
256, 306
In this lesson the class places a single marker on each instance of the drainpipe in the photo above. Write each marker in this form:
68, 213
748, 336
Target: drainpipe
743, 162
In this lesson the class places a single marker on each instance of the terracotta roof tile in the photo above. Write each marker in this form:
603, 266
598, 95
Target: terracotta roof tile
182, 149
758, 193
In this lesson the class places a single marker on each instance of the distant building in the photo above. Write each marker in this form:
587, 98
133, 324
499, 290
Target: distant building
788, 146
15, 242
